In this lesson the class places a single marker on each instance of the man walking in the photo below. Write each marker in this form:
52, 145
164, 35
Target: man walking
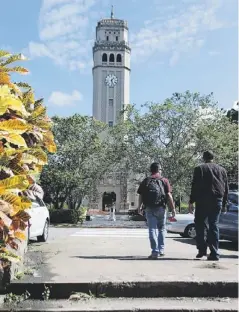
154, 192
209, 192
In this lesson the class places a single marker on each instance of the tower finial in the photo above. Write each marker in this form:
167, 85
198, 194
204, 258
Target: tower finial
112, 11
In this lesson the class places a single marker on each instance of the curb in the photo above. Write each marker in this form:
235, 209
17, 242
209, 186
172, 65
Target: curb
129, 290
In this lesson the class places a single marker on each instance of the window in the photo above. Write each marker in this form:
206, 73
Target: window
35, 203
110, 123
119, 58
111, 102
112, 58
107, 38
132, 204
117, 38
104, 57
41, 202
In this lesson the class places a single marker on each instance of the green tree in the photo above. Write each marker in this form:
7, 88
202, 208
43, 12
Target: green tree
175, 133
79, 162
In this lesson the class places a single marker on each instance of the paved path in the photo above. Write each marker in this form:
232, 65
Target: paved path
92, 255
112, 233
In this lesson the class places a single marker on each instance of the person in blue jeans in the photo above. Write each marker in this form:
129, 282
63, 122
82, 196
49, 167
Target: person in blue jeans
209, 192
154, 193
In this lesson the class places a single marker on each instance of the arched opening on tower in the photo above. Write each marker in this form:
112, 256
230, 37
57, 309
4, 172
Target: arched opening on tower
119, 58
108, 199
112, 58
104, 57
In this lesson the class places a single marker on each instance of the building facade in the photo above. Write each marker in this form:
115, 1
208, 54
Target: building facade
111, 93
111, 70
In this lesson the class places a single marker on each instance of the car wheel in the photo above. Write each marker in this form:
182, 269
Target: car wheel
43, 238
190, 231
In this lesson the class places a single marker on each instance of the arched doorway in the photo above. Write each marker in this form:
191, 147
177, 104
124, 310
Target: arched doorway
108, 199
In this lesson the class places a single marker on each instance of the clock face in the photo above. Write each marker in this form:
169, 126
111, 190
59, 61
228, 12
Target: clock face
111, 80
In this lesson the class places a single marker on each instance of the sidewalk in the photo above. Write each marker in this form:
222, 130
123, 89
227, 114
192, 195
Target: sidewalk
101, 259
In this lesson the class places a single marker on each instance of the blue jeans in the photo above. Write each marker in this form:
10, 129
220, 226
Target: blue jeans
156, 219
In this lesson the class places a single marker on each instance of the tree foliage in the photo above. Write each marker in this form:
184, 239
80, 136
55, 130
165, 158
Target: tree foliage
81, 160
25, 137
175, 133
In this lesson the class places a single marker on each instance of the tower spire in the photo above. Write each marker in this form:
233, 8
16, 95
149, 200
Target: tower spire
112, 11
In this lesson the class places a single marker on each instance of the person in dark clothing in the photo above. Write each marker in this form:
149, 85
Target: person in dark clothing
209, 192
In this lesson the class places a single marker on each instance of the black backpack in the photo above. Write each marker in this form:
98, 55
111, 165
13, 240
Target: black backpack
154, 195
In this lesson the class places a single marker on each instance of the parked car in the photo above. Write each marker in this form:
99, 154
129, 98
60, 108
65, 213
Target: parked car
133, 211
182, 224
228, 222
39, 222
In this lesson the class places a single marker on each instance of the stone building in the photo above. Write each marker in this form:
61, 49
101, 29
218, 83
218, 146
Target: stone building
111, 92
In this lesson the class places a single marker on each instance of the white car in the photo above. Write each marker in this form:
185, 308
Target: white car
39, 222
182, 224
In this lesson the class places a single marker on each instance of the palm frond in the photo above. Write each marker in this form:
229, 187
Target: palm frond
17, 69
4, 53
23, 85
12, 59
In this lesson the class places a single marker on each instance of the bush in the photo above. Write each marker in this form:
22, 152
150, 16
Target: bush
64, 216
25, 139
184, 208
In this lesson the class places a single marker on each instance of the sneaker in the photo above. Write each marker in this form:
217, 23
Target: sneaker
161, 253
153, 256
201, 255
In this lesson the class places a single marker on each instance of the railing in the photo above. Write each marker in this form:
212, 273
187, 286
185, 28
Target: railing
113, 22
112, 63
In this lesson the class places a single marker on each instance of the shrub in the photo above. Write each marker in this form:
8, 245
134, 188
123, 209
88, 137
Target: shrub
64, 216
25, 137
184, 208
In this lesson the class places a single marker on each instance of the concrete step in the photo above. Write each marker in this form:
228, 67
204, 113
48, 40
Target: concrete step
128, 305
129, 289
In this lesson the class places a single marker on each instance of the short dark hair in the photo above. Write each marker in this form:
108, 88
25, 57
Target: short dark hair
208, 155
155, 167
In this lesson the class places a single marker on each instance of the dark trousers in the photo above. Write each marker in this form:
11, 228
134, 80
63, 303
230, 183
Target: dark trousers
207, 215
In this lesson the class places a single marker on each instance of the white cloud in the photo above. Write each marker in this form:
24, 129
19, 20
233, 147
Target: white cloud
64, 27
59, 98
67, 30
179, 32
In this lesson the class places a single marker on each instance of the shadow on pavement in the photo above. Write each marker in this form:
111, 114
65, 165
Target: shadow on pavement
226, 245
131, 258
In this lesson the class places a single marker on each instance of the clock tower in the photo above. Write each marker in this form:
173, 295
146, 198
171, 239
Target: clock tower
111, 83
111, 69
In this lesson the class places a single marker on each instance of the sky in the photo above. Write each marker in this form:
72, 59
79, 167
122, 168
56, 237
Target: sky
177, 45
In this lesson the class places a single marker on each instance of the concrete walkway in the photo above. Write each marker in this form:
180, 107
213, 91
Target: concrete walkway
73, 259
